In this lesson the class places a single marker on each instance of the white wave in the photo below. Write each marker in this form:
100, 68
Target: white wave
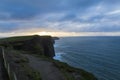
58, 55
56, 45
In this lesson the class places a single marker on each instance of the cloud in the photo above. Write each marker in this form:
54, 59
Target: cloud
60, 15
25, 9
116, 12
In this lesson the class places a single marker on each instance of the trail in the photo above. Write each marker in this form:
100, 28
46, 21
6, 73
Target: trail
47, 70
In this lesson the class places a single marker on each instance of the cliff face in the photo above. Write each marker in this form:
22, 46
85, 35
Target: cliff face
42, 45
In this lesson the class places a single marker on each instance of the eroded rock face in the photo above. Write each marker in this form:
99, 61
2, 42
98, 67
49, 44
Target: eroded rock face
42, 45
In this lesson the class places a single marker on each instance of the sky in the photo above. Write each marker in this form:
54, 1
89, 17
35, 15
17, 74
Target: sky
60, 17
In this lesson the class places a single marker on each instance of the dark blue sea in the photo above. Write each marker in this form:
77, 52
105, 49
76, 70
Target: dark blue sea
98, 55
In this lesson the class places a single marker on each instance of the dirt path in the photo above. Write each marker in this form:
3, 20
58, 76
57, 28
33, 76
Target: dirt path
47, 69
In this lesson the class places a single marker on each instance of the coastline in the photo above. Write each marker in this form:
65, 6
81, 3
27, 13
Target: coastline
62, 69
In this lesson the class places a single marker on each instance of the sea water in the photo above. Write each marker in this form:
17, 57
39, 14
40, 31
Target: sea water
98, 55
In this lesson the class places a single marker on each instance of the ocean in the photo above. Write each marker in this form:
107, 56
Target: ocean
98, 55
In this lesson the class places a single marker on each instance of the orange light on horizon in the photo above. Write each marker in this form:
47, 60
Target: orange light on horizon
57, 34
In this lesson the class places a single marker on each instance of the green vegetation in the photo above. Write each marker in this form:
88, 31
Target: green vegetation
18, 38
32, 74
68, 71
21, 62
84, 75
6, 41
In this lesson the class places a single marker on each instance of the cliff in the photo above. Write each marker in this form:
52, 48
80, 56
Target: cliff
30, 57
56, 38
42, 45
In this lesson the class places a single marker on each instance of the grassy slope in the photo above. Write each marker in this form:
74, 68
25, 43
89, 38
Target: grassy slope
17, 38
68, 71
19, 64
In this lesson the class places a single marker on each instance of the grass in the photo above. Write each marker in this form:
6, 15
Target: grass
6, 41
68, 71
22, 60
32, 74
18, 38
66, 68
22, 63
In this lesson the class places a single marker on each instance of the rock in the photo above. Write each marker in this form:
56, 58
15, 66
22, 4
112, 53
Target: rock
56, 38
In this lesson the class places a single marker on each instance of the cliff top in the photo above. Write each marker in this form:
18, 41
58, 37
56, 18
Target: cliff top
20, 38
